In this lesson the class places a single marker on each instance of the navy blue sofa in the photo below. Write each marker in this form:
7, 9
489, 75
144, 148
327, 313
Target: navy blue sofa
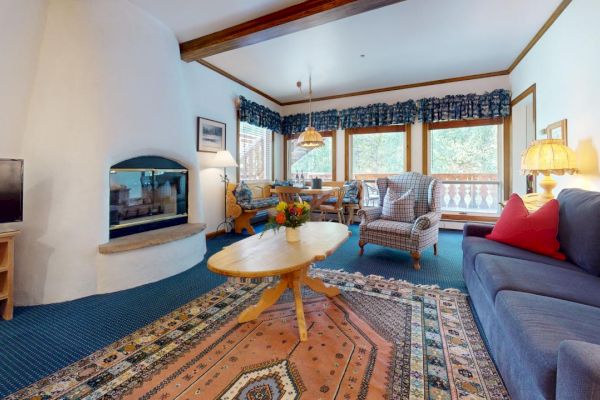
541, 316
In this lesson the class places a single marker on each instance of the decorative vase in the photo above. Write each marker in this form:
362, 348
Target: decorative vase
292, 235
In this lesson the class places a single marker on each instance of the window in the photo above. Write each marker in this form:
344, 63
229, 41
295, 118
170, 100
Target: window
376, 152
313, 163
467, 157
255, 149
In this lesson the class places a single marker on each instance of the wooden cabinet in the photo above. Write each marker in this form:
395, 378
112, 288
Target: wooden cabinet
7, 268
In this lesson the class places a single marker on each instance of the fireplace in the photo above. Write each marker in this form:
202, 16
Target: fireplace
147, 193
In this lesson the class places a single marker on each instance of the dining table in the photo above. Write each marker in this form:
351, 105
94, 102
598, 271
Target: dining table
318, 196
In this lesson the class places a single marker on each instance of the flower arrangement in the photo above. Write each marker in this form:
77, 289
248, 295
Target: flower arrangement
289, 215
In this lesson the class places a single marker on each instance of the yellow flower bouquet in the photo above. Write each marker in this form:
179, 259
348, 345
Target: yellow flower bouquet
289, 215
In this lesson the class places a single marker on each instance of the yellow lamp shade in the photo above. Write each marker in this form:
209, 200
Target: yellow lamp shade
310, 138
549, 156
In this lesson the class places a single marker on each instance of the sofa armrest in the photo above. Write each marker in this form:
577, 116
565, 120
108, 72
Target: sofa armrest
479, 230
426, 221
369, 214
578, 372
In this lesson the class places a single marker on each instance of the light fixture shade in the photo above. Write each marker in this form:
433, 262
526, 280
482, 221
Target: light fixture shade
549, 156
310, 138
223, 159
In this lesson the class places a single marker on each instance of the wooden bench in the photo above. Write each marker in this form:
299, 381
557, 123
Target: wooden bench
241, 216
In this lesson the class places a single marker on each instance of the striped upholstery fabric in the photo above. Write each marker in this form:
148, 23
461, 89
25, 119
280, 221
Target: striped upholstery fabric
413, 237
398, 207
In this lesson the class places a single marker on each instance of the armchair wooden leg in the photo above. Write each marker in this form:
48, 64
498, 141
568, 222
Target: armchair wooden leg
416, 256
362, 244
435, 251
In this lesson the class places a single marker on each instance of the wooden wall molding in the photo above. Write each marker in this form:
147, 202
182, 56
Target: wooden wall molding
561, 7
298, 17
401, 87
531, 90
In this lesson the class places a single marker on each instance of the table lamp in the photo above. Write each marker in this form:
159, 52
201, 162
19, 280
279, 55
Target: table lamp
224, 159
548, 156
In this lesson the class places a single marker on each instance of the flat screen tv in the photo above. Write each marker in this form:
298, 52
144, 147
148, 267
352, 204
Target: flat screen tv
11, 190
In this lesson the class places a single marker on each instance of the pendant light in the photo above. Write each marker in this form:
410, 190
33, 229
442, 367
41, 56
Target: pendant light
310, 138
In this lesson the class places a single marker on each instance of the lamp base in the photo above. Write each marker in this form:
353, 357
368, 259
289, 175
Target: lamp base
548, 184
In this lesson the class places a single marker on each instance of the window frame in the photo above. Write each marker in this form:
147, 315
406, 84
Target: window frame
349, 132
331, 134
238, 151
504, 156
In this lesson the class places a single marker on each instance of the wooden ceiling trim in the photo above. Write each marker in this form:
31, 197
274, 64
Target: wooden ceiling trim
292, 19
400, 87
236, 80
561, 7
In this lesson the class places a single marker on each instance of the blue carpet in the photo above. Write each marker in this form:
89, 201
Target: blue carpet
43, 339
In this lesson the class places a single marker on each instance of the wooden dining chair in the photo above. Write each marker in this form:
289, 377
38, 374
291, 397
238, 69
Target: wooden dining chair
288, 194
337, 207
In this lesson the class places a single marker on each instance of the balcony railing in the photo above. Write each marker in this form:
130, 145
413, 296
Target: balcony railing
470, 193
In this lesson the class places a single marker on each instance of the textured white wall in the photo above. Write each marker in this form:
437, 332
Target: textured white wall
108, 87
213, 96
564, 65
21, 29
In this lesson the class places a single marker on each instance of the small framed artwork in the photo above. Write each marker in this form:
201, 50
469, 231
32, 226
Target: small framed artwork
210, 135
556, 130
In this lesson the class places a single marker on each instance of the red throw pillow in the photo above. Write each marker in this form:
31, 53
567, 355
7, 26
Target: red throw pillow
535, 232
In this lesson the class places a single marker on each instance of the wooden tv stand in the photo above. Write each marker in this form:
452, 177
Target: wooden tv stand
7, 272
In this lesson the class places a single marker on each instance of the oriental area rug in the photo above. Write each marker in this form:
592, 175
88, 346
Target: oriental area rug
379, 339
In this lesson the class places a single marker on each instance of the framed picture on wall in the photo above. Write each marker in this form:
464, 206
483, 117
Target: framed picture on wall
210, 135
556, 130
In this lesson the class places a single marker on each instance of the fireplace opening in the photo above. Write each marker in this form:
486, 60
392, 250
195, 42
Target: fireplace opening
147, 193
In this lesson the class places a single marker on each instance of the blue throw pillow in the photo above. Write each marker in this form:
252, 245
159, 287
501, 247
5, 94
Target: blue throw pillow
352, 192
243, 194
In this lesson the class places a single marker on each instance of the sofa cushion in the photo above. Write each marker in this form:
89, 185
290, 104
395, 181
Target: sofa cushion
579, 227
352, 191
257, 204
536, 231
278, 183
347, 200
242, 193
473, 246
498, 273
534, 326
398, 207
387, 226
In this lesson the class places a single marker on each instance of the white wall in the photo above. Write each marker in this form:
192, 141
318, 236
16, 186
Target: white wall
108, 87
463, 87
21, 28
564, 65
213, 96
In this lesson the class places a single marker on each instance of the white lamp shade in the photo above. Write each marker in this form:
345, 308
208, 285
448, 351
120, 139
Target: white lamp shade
549, 156
223, 159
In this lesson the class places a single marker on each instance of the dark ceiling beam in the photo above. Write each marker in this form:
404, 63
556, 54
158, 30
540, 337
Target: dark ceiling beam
292, 19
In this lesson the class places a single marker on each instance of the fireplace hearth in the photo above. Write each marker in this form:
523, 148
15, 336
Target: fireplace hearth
147, 193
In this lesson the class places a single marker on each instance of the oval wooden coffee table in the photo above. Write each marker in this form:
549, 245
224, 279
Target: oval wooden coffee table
272, 255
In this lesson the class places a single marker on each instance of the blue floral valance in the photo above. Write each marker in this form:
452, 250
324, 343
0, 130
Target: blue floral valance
379, 114
259, 115
321, 121
471, 106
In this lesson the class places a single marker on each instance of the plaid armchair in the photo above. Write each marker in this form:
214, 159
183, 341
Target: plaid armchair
414, 236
